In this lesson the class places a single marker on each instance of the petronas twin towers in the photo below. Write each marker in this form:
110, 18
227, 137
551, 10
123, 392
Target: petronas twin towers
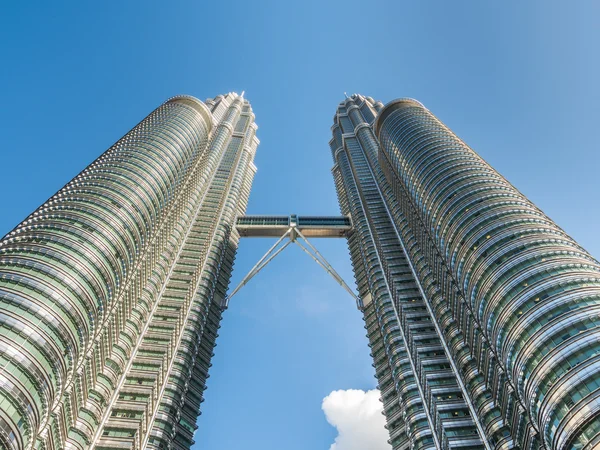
482, 314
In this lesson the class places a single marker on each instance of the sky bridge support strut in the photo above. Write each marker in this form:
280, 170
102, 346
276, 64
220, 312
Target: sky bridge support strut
295, 229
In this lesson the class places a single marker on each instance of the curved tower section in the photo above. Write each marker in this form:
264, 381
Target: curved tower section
423, 399
516, 299
84, 278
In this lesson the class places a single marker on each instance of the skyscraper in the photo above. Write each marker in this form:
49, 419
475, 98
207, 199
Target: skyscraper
111, 292
482, 314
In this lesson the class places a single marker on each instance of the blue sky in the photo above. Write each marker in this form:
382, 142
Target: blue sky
518, 81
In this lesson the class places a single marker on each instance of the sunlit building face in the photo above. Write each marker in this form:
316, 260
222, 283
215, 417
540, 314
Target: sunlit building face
111, 292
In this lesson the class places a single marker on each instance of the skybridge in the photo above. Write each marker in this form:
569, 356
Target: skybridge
293, 229
309, 226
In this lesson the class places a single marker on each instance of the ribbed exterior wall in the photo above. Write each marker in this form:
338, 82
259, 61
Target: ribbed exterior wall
517, 299
110, 292
423, 400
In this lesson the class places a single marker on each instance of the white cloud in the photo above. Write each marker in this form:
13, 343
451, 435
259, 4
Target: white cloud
357, 416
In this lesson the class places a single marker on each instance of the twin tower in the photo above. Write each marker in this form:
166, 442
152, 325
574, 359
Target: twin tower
482, 314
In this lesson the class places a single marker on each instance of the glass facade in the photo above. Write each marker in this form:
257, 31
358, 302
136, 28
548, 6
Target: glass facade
111, 292
497, 306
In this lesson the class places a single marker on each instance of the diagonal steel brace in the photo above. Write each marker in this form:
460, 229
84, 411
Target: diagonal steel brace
293, 233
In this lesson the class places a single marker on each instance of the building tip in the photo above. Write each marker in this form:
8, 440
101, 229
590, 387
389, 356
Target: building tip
345, 95
242, 95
